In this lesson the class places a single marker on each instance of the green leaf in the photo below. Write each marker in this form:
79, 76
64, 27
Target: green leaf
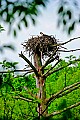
14, 32
0, 62
69, 14
71, 28
73, 25
25, 21
60, 9
1, 28
9, 46
64, 21
15, 63
19, 27
33, 20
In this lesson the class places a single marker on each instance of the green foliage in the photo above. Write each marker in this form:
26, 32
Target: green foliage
19, 12
66, 15
12, 85
1, 28
10, 46
8, 65
58, 81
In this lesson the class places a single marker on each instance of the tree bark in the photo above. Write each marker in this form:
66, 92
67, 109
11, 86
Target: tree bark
40, 83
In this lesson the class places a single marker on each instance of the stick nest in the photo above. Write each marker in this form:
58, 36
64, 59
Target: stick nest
43, 44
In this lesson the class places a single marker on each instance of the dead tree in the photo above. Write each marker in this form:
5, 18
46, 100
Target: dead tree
47, 47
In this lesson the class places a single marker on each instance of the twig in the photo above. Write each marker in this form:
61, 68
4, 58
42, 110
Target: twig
66, 41
22, 98
70, 90
62, 93
51, 59
65, 109
45, 74
69, 50
69, 40
71, 62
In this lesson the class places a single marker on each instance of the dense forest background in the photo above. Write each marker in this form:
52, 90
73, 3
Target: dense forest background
12, 91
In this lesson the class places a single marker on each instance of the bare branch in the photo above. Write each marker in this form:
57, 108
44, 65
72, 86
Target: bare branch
62, 92
69, 40
31, 65
22, 98
12, 71
45, 74
68, 50
59, 44
70, 90
71, 62
51, 59
65, 109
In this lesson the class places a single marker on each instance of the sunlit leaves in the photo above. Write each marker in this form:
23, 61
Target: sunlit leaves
13, 86
5, 64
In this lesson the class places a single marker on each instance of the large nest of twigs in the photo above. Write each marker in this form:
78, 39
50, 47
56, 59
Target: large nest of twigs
43, 44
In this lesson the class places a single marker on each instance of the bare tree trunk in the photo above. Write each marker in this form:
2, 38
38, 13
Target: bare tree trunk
40, 83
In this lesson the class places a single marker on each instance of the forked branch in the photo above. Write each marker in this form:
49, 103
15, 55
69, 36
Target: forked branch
31, 65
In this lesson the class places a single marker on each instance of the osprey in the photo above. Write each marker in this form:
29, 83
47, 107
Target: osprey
41, 33
44, 34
